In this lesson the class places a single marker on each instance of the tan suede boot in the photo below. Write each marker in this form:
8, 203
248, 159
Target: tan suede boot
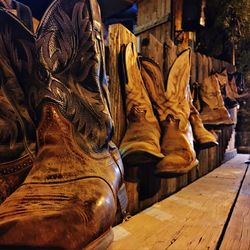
202, 137
213, 109
173, 110
141, 143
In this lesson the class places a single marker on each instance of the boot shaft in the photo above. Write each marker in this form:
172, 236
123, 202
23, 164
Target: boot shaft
16, 128
153, 80
138, 105
172, 100
63, 64
210, 90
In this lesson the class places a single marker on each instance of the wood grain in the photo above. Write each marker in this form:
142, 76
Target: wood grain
237, 235
190, 219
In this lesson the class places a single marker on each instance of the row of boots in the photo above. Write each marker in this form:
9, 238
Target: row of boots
214, 89
161, 120
55, 131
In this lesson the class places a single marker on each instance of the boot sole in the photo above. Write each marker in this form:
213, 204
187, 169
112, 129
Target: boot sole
140, 158
205, 145
218, 123
101, 242
165, 173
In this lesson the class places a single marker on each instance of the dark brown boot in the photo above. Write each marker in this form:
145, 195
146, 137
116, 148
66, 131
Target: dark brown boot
141, 143
17, 134
69, 199
15, 150
173, 110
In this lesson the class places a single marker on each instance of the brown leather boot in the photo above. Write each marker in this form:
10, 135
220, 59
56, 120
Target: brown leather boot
16, 143
69, 199
17, 134
173, 110
213, 109
141, 142
226, 90
202, 137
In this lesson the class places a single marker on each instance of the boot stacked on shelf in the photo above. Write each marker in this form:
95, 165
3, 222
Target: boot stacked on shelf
77, 173
213, 110
173, 110
141, 142
208, 97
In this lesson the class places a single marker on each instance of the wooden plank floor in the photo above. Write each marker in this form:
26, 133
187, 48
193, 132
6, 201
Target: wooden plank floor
196, 217
237, 235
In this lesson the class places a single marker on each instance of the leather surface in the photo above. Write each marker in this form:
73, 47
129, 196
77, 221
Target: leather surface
141, 141
69, 198
202, 137
17, 134
213, 109
173, 109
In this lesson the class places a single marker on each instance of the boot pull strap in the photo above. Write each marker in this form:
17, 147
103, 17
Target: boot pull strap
24, 14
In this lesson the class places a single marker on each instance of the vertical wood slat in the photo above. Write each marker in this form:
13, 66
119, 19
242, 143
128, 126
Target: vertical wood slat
153, 50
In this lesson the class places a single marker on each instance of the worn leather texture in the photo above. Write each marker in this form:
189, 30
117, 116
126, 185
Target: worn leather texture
213, 110
202, 137
77, 172
173, 108
17, 134
141, 142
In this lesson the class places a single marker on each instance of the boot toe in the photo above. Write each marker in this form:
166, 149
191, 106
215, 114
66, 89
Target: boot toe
68, 216
138, 153
176, 163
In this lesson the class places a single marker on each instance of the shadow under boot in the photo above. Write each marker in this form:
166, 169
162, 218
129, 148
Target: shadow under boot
141, 142
173, 111
69, 199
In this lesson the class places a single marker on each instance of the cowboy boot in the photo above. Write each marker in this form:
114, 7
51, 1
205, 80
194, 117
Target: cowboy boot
226, 89
69, 199
173, 110
16, 137
202, 137
141, 142
240, 83
233, 86
213, 109
228, 94
17, 134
